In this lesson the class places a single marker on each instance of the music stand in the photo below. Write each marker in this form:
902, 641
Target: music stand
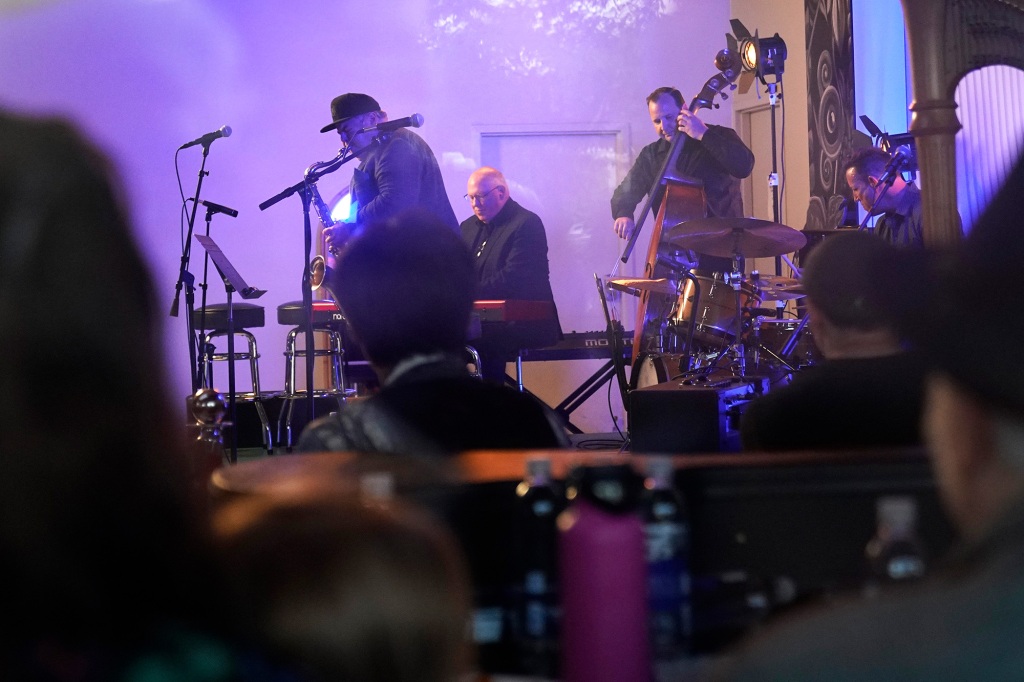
232, 282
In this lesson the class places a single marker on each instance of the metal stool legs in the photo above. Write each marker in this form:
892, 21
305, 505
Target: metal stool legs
474, 359
252, 355
337, 389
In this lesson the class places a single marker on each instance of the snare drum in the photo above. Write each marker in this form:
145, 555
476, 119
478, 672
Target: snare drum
716, 317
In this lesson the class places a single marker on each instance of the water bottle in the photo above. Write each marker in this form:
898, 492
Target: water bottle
896, 554
666, 535
603, 578
535, 604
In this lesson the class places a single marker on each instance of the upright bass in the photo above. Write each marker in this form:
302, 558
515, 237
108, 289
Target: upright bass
683, 199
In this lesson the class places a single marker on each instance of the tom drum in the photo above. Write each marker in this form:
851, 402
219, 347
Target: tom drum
716, 317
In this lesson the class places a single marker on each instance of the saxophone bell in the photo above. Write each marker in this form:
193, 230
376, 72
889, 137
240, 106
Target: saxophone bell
319, 272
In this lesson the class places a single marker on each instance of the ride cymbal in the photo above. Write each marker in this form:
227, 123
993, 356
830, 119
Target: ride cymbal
730, 237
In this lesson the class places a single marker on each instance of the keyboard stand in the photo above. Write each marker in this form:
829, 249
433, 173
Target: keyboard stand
579, 396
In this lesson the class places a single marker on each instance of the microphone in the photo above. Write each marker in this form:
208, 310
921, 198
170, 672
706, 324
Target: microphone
208, 138
217, 208
414, 121
901, 157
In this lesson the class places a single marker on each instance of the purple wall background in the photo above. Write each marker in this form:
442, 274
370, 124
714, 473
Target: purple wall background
141, 78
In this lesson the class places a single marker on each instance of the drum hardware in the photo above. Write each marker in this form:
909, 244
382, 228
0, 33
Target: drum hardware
776, 288
759, 348
736, 238
790, 345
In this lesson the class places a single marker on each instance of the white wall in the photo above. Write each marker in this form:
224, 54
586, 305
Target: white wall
142, 77
753, 117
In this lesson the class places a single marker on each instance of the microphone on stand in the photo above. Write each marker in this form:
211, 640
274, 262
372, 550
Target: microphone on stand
208, 138
900, 158
217, 208
414, 121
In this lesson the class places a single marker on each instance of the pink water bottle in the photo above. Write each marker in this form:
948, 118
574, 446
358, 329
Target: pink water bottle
603, 578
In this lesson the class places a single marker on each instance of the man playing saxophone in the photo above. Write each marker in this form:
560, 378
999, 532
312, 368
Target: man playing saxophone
397, 170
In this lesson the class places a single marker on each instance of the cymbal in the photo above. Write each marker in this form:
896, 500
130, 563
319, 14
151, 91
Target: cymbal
777, 288
728, 237
636, 286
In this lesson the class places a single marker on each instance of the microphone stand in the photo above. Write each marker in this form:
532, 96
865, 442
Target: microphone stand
187, 279
303, 189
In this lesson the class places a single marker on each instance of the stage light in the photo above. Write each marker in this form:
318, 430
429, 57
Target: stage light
763, 56
748, 53
772, 58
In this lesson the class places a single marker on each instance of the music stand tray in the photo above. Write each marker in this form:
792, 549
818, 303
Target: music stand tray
227, 270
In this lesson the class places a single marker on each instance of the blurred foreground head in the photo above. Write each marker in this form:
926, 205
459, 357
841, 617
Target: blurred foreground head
95, 532
345, 590
406, 287
968, 327
850, 278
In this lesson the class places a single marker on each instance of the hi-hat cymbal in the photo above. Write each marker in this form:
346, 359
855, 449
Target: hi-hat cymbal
636, 286
777, 288
729, 237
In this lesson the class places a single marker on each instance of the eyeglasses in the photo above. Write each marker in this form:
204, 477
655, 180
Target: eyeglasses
479, 197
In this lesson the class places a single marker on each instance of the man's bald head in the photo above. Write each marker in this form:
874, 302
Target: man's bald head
487, 191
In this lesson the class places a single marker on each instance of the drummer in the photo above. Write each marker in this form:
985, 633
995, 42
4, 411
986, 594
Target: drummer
868, 392
713, 154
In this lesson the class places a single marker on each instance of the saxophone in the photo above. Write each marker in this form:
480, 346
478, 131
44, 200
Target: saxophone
318, 269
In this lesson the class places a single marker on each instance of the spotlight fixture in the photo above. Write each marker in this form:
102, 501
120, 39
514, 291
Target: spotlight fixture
889, 142
761, 56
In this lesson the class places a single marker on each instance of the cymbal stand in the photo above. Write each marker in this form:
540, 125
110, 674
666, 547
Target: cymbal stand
735, 280
687, 349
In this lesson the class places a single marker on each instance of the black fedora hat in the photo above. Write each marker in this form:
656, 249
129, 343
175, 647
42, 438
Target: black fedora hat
344, 107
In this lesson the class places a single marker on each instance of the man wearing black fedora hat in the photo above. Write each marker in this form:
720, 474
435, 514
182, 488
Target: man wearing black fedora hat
397, 170
965, 622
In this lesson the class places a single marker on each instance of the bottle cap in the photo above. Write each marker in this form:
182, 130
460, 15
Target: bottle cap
613, 487
899, 512
538, 467
377, 487
661, 469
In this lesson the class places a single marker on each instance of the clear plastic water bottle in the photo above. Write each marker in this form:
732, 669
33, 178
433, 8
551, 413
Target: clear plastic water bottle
603, 579
666, 536
535, 604
896, 553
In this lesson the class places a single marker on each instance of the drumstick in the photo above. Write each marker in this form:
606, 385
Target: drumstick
796, 270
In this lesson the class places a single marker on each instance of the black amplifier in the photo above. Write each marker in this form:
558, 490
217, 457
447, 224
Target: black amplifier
690, 415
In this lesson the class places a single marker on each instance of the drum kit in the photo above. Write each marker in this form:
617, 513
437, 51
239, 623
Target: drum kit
721, 317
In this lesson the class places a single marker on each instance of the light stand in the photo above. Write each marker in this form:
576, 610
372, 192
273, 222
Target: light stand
764, 57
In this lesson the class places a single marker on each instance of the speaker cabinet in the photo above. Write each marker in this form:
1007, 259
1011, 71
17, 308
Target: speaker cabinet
680, 416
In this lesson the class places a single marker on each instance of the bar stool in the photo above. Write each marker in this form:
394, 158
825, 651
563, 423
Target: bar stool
245, 316
327, 319
473, 358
